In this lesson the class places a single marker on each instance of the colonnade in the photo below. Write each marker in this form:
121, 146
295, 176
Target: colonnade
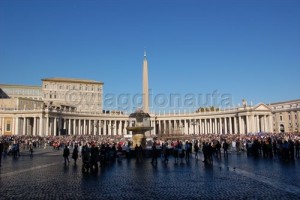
231, 124
47, 125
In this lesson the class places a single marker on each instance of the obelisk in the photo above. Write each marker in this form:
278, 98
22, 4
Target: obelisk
145, 85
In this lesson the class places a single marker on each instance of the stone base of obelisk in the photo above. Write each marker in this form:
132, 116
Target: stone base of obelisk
139, 139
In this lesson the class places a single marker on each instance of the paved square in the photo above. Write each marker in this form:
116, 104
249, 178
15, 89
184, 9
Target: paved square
44, 176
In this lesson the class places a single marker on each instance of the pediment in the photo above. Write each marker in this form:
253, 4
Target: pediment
262, 107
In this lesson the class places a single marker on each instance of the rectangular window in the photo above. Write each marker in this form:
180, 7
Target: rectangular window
280, 118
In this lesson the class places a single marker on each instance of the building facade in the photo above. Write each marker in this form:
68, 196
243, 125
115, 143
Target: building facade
286, 116
85, 95
22, 91
74, 107
26, 116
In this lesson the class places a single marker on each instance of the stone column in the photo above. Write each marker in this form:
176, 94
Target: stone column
243, 124
34, 126
24, 126
126, 125
240, 125
69, 127
230, 125
17, 132
119, 127
215, 126
164, 127
94, 127
171, 127
47, 126
74, 127
203, 126
197, 127
235, 125
114, 127
270, 123
59, 124
84, 127
55, 124
220, 125
257, 123
79, 127
65, 124
200, 126
253, 129
88, 131
109, 127
265, 123
247, 124
104, 127
189, 131
180, 126
41, 131
210, 126
225, 122
153, 122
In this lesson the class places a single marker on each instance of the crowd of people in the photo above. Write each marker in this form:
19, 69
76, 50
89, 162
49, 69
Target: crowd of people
102, 149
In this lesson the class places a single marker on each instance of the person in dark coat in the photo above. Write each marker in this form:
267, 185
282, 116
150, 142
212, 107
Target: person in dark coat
75, 154
225, 148
66, 154
154, 154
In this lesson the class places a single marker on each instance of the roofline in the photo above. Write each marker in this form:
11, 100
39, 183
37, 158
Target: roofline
23, 86
285, 102
73, 80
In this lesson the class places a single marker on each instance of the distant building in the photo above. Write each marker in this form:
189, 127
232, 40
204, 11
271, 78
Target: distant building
23, 91
85, 95
286, 116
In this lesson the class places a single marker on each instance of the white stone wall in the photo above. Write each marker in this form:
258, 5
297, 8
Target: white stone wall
87, 97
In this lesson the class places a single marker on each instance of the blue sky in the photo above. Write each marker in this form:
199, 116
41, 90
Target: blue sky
243, 49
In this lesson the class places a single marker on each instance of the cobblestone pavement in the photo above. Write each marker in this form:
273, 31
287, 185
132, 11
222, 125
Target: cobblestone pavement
44, 176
